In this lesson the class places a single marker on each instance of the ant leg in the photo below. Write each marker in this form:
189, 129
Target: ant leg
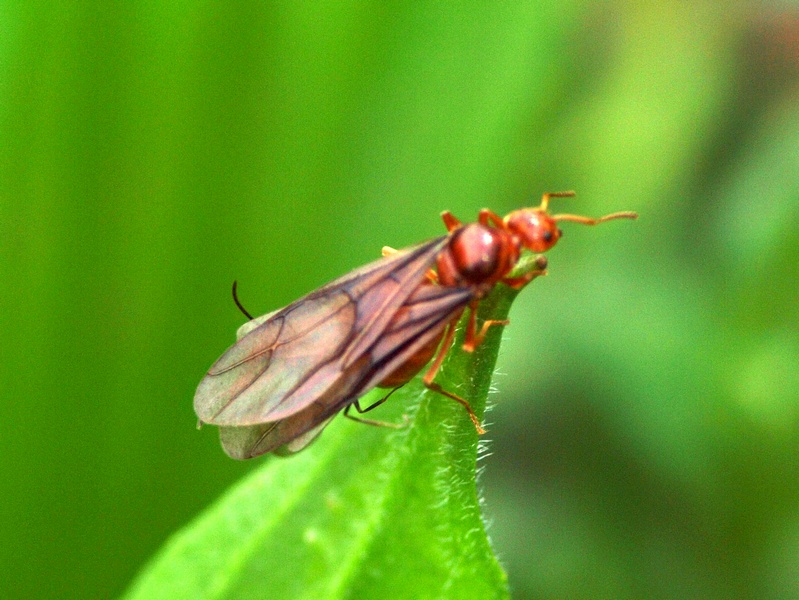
489, 216
450, 221
473, 338
431, 373
357, 406
518, 283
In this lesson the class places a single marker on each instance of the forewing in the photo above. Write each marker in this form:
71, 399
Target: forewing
296, 355
296, 431
423, 316
296, 347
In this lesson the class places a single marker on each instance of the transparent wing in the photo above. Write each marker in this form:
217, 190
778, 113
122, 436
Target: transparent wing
314, 348
250, 441
416, 323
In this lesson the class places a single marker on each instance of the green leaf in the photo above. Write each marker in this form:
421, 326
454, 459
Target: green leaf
364, 512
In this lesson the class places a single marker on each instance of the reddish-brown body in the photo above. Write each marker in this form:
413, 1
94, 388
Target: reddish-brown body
293, 369
409, 369
476, 256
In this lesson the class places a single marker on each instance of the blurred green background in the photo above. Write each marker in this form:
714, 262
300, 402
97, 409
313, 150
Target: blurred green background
645, 434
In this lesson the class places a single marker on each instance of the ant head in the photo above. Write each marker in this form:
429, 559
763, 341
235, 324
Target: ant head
538, 231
